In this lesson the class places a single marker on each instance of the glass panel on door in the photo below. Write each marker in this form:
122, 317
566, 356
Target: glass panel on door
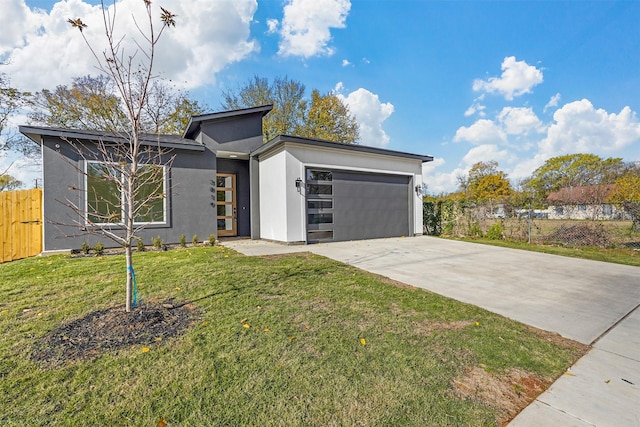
226, 204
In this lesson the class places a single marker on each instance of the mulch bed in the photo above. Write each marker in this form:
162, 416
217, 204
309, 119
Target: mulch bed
112, 329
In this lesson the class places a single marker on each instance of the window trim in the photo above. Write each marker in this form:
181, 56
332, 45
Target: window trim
120, 223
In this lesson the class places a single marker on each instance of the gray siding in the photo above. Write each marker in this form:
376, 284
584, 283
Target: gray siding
190, 198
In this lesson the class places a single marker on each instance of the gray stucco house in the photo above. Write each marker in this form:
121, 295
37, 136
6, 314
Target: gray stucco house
225, 181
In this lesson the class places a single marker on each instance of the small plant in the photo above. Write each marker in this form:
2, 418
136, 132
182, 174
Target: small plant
85, 248
495, 232
194, 240
212, 239
140, 245
157, 242
475, 230
98, 249
183, 241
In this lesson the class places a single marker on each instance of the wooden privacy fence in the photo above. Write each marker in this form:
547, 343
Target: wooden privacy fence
20, 224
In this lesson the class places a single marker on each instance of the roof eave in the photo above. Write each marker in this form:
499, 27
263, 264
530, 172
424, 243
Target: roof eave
281, 139
194, 121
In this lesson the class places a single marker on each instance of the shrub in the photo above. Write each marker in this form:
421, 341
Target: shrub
495, 232
85, 248
194, 240
183, 241
98, 248
157, 242
475, 230
212, 239
140, 245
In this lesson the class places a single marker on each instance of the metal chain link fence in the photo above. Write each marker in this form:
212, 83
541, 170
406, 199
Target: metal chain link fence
519, 224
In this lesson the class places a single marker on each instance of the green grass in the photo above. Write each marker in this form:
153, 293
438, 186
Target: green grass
300, 362
614, 255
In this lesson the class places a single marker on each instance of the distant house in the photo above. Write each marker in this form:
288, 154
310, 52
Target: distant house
585, 202
224, 181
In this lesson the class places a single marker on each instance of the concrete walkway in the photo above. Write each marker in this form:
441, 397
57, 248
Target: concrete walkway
591, 302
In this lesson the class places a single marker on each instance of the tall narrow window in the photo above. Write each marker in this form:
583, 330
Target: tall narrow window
104, 204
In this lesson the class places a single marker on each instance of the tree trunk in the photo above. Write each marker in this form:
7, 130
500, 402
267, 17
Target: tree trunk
129, 258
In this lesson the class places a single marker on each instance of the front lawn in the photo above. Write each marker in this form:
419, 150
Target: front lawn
288, 340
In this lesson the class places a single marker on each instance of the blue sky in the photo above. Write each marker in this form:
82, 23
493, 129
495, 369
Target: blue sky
517, 82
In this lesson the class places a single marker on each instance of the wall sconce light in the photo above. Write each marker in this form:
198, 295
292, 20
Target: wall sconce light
418, 190
298, 183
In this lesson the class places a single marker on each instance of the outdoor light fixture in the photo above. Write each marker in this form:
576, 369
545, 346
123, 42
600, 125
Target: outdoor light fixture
418, 190
298, 182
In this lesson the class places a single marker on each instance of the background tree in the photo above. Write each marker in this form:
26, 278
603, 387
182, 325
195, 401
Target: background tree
572, 170
126, 165
626, 193
12, 100
329, 119
94, 103
485, 183
324, 117
7, 182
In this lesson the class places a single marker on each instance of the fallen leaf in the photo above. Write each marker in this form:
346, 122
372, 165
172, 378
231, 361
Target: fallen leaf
162, 423
145, 349
177, 289
158, 339
477, 323
246, 326
291, 338
266, 330
363, 341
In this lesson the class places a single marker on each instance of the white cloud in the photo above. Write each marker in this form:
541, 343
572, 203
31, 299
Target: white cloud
580, 128
481, 132
553, 102
45, 51
485, 153
517, 78
306, 26
14, 19
369, 112
346, 63
439, 182
475, 108
272, 25
519, 120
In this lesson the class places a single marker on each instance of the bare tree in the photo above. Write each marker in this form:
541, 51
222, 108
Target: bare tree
124, 188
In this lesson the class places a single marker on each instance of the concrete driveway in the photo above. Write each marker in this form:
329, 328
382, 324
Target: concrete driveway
591, 302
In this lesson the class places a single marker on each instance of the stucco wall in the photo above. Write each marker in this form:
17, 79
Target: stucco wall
273, 197
282, 206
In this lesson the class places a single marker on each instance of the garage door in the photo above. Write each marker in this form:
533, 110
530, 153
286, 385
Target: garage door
345, 205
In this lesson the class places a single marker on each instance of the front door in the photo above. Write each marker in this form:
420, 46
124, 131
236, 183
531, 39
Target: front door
226, 204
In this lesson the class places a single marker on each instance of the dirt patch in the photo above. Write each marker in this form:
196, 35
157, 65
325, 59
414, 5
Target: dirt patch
577, 348
395, 283
112, 329
508, 393
426, 328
